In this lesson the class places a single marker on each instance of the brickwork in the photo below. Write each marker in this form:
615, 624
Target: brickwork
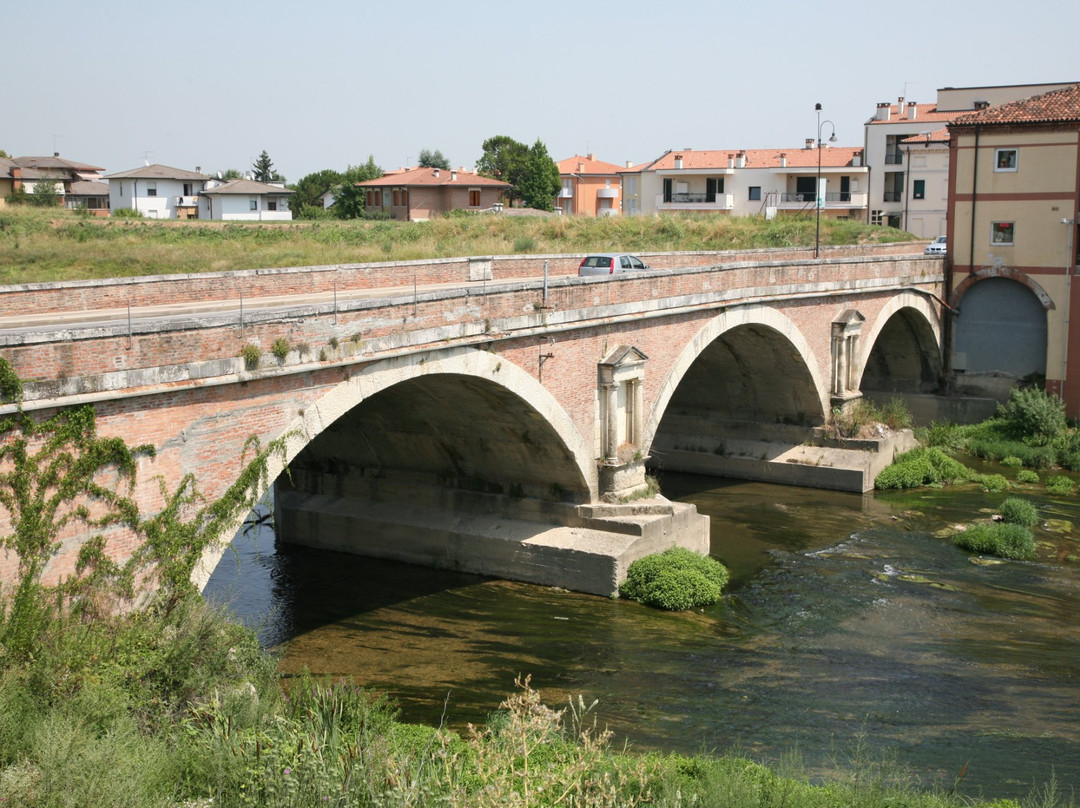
181, 388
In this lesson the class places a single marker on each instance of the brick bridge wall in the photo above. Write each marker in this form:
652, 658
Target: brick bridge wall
180, 385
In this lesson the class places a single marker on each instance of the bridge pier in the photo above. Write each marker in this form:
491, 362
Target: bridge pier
581, 547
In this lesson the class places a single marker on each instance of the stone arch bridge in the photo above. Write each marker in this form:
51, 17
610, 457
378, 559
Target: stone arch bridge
489, 414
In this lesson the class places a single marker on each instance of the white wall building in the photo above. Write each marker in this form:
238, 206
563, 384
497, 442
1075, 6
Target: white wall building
245, 200
747, 182
157, 191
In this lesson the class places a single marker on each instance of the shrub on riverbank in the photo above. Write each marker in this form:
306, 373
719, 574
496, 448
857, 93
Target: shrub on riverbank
676, 579
922, 466
999, 539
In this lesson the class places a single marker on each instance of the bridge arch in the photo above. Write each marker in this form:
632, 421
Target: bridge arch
902, 350
784, 370
448, 410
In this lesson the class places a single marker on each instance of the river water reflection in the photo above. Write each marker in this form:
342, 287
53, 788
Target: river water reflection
850, 622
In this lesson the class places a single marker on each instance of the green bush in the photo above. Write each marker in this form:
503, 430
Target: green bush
676, 579
922, 466
280, 348
1018, 511
1012, 462
126, 213
1027, 476
990, 448
999, 539
943, 435
993, 482
1060, 485
250, 354
1033, 416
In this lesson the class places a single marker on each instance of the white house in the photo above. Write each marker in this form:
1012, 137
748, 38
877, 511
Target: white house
245, 200
157, 191
744, 182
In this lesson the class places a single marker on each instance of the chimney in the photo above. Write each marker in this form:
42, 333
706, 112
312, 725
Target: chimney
911, 111
592, 156
982, 104
678, 161
731, 161
809, 143
783, 161
629, 163
740, 160
453, 176
198, 169
436, 172
884, 110
580, 168
856, 159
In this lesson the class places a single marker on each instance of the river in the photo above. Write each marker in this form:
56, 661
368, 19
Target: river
853, 632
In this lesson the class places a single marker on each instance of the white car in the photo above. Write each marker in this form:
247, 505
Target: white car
610, 264
936, 247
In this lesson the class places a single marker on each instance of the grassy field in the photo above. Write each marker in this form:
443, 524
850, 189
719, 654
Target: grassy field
41, 246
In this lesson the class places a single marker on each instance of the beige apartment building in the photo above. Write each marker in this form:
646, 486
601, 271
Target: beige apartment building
1014, 197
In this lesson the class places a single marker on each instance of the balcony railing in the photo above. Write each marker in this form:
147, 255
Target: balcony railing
186, 201
893, 196
830, 196
699, 201
894, 159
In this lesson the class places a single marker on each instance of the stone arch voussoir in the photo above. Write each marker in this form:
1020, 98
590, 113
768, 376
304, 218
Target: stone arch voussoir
1009, 273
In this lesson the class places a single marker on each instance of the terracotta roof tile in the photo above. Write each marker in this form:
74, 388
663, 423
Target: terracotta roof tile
1057, 106
923, 112
433, 177
590, 165
797, 157
937, 136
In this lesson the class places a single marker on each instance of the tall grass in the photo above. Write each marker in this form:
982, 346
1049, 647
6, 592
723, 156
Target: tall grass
37, 245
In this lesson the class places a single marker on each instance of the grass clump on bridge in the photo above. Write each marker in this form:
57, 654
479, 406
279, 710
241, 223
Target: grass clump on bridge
676, 579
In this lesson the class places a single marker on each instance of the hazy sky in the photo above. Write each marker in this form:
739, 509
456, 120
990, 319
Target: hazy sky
325, 83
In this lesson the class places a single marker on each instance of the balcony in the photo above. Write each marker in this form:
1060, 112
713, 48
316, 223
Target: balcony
186, 201
833, 200
893, 196
894, 159
607, 193
689, 201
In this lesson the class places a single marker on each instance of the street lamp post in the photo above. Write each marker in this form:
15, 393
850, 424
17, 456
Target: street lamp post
818, 196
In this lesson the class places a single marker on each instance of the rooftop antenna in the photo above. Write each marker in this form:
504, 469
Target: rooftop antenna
55, 148
146, 158
906, 83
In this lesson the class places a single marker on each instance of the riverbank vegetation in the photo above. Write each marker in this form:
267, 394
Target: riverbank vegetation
676, 579
48, 245
172, 705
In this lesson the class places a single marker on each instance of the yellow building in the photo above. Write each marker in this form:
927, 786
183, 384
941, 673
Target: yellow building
1014, 194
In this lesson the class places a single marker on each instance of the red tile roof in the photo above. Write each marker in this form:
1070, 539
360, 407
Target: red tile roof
797, 157
429, 177
1057, 106
937, 136
923, 112
590, 165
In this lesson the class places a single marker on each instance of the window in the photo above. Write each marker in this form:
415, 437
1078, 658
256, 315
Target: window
271, 205
875, 217
1002, 232
397, 198
253, 203
187, 189
151, 189
1005, 160
405, 197
474, 197
755, 193
918, 190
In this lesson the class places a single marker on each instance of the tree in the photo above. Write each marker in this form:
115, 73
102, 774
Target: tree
4, 155
531, 171
503, 159
45, 194
306, 204
433, 159
350, 200
232, 174
263, 168
539, 182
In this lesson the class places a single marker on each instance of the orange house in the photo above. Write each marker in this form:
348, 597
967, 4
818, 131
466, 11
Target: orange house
590, 187
419, 194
